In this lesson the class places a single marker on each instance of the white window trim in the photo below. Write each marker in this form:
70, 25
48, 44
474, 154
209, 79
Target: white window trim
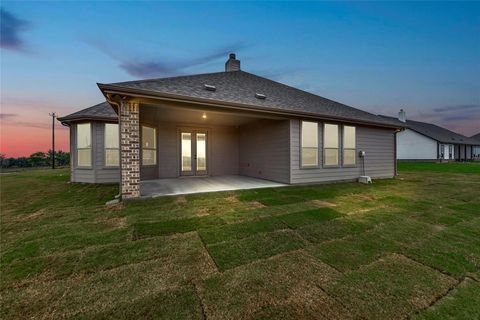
349, 165
311, 166
155, 148
337, 148
90, 148
105, 147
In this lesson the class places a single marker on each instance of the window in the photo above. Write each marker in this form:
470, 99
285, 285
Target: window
112, 154
149, 146
330, 145
349, 151
84, 145
309, 156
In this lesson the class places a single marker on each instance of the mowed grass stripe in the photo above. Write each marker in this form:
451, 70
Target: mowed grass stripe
242, 230
231, 254
390, 288
286, 286
295, 220
248, 228
64, 259
455, 251
461, 303
181, 247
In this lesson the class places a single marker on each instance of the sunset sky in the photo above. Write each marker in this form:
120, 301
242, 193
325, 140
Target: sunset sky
379, 57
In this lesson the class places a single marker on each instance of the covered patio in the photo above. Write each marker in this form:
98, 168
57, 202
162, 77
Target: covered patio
188, 185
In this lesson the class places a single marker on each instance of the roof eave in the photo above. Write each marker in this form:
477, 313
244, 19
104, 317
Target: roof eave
114, 89
86, 118
441, 140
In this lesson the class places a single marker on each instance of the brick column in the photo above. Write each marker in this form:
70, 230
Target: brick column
129, 150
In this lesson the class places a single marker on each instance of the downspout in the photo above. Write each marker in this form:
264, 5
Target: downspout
395, 154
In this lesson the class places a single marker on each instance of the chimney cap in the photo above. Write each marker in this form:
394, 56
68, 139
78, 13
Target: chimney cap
232, 63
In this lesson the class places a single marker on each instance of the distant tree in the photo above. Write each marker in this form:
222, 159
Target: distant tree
3, 161
21, 162
62, 158
38, 159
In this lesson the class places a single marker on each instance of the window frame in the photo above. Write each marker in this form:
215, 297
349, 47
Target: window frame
109, 166
338, 146
77, 165
354, 149
142, 148
315, 166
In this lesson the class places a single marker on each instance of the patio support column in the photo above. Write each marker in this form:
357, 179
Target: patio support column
129, 149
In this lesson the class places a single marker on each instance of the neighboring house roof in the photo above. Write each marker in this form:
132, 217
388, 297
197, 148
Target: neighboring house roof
435, 132
101, 111
476, 137
246, 89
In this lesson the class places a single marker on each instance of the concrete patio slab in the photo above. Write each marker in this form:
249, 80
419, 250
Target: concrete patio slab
188, 185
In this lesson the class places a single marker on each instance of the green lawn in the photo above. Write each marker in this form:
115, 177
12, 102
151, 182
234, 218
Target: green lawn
400, 248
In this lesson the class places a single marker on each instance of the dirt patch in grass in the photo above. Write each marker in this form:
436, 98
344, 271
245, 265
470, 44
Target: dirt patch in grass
114, 207
322, 203
256, 205
37, 214
232, 199
180, 200
392, 287
366, 210
202, 212
113, 222
284, 286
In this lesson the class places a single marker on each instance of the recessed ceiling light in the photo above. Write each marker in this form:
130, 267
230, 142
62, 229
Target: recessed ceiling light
204, 116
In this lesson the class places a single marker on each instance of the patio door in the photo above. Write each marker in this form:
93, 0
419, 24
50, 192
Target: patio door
193, 153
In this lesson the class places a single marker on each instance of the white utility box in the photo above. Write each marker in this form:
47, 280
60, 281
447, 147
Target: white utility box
365, 179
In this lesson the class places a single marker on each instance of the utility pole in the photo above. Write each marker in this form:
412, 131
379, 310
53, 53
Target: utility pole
53, 115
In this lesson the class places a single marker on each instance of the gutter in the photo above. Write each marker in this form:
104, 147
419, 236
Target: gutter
108, 89
69, 120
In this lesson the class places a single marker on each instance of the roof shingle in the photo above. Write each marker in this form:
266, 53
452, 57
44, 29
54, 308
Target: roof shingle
244, 88
101, 111
435, 132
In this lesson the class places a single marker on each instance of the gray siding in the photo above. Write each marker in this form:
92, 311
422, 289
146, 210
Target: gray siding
377, 143
265, 149
98, 173
222, 149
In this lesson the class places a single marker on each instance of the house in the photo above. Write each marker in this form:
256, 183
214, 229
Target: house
224, 123
476, 147
426, 141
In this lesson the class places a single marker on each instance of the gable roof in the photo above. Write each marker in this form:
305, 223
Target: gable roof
476, 137
435, 132
243, 88
102, 111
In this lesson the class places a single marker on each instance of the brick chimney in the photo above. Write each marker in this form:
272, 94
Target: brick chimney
402, 115
232, 63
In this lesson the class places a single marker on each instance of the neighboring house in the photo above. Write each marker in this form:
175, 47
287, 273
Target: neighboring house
476, 148
426, 141
224, 123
